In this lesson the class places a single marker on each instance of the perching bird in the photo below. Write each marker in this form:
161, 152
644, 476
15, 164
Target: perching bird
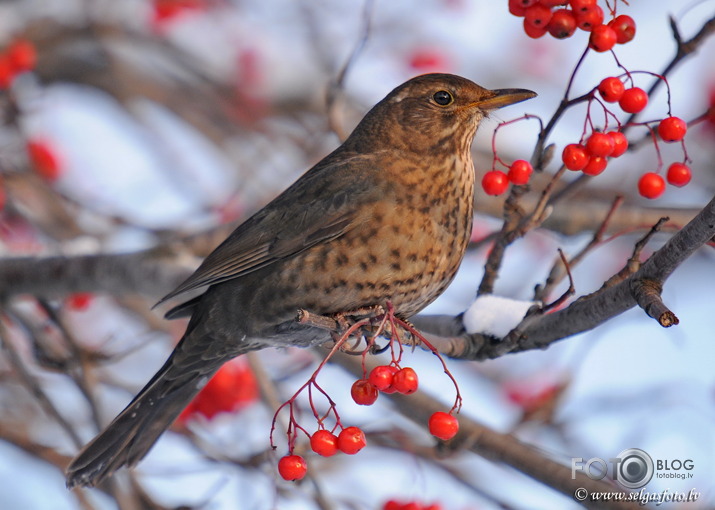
385, 217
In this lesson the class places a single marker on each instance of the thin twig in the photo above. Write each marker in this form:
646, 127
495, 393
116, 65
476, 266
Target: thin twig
335, 87
29, 381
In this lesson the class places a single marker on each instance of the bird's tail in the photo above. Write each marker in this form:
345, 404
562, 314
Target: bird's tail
132, 434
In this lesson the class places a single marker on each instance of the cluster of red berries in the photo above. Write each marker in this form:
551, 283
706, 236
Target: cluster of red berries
561, 18
393, 504
19, 57
592, 157
385, 378
632, 100
651, 184
233, 387
350, 440
391, 379
496, 182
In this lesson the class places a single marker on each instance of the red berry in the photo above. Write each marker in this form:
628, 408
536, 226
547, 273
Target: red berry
7, 72
519, 172
672, 129
603, 38
526, 3
553, 3
443, 425
166, 10
292, 467
611, 89
532, 31
575, 156
562, 24
495, 182
620, 143
595, 165
363, 392
600, 144
625, 28
44, 158
634, 100
22, 55
351, 440
381, 377
516, 8
587, 19
79, 301
428, 61
582, 5
678, 174
651, 185
405, 381
324, 442
538, 16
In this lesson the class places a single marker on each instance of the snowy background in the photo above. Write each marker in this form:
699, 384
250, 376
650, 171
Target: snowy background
135, 168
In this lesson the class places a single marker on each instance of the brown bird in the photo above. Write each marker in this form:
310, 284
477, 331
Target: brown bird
386, 216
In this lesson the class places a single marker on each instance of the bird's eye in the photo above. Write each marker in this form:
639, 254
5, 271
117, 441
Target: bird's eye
443, 98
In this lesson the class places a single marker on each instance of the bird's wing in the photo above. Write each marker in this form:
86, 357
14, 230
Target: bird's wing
318, 207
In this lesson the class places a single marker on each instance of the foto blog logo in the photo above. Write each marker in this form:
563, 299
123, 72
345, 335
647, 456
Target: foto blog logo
633, 468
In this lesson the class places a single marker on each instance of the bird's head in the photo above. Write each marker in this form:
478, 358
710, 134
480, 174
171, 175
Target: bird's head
434, 111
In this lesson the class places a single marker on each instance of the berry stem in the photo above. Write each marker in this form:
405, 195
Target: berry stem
293, 426
410, 329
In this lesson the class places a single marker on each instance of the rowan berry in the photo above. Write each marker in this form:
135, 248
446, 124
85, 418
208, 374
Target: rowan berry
633, 100
537, 16
495, 182
651, 185
603, 38
405, 381
625, 28
532, 31
351, 440
292, 467
600, 144
381, 377
595, 165
562, 24
588, 19
672, 129
519, 172
620, 143
443, 425
582, 5
678, 174
611, 89
575, 156
363, 392
323, 442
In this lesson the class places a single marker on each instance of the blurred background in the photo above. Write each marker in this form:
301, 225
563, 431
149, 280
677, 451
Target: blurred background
143, 122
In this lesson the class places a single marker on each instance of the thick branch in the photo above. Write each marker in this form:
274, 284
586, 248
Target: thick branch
647, 295
146, 272
538, 331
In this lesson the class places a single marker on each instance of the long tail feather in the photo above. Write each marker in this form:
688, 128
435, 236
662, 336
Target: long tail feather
133, 433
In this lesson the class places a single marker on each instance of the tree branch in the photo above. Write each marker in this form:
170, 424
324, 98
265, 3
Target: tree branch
537, 330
